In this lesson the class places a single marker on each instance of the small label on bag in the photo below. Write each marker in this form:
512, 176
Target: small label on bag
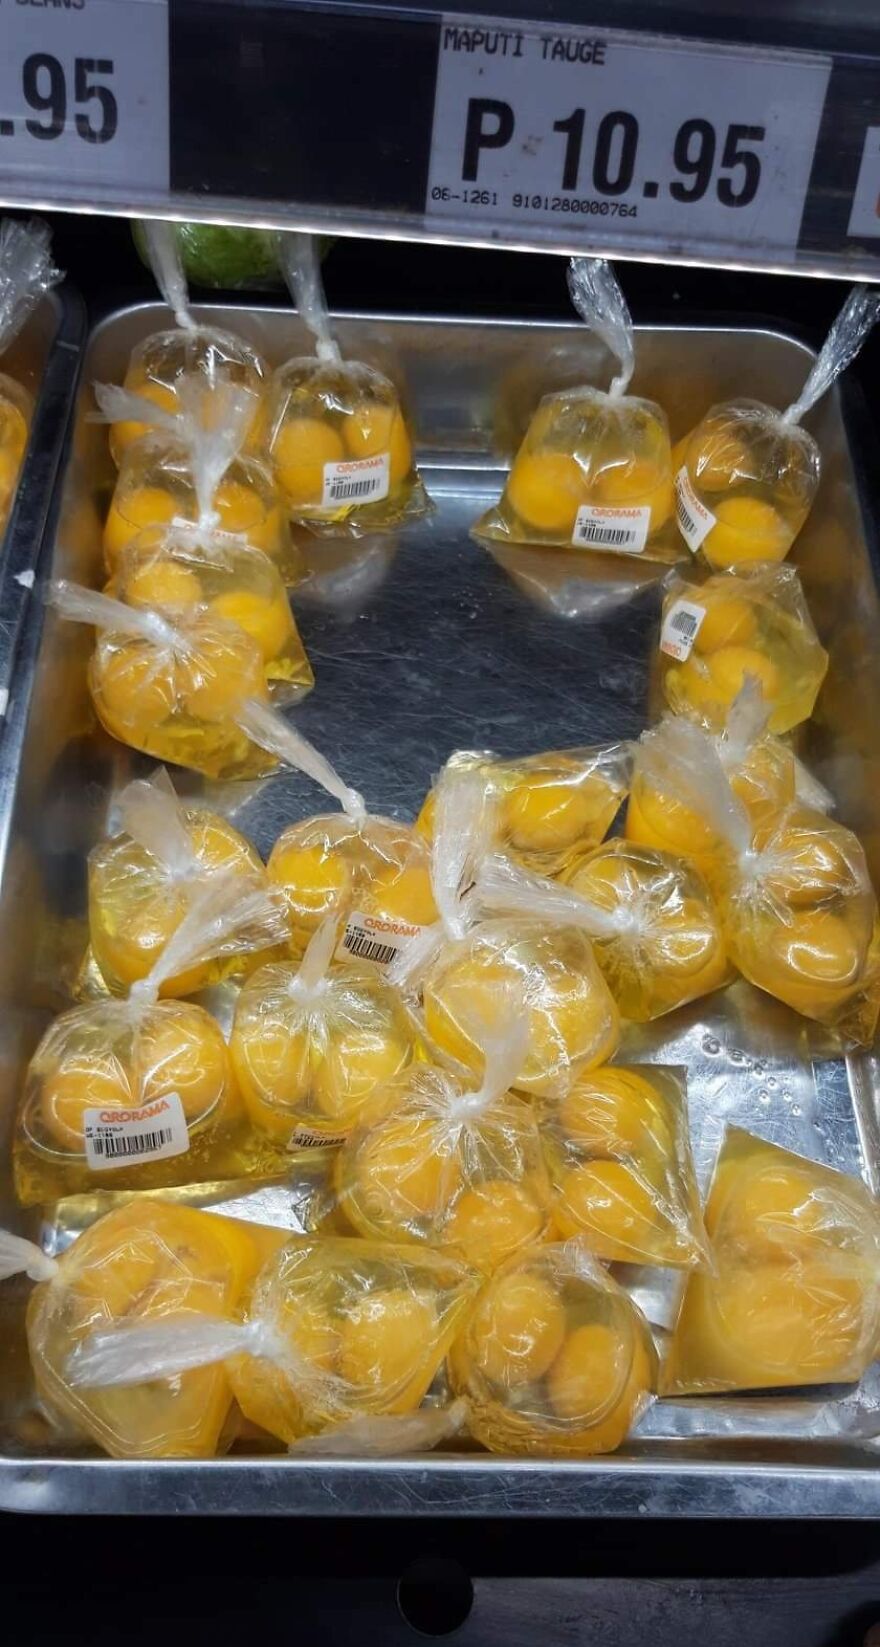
378, 938
622, 529
363, 480
695, 521
681, 627
304, 1138
117, 1137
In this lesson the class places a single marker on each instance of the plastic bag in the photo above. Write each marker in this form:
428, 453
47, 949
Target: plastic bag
188, 468
447, 1164
188, 571
754, 624
178, 691
335, 1330
746, 476
142, 882
619, 1156
26, 275
143, 1262
550, 807
465, 967
764, 774
554, 1360
651, 919
337, 436
594, 470
140, 1093
792, 1296
315, 1045
165, 361
799, 912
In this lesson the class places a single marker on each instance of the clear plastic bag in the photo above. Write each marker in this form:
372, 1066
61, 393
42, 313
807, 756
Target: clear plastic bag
619, 1156
594, 470
651, 919
315, 1044
747, 475
792, 1296
554, 1360
143, 879
177, 691
141, 1263
551, 807
799, 912
188, 353
26, 275
335, 1331
338, 438
187, 571
451, 1165
140, 1093
754, 624
182, 472
764, 774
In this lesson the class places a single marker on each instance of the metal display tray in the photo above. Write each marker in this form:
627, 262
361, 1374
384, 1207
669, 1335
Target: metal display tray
421, 646
44, 359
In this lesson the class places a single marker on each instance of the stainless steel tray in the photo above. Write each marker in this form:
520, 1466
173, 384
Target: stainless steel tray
44, 358
419, 648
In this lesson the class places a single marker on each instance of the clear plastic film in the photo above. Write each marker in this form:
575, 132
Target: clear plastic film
315, 1044
747, 475
619, 1157
718, 634
142, 881
140, 1265
449, 1163
792, 1295
594, 471
193, 571
189, 468
179, 691
335, 1331
651, 920
26, 275
554, 1360
798, 908
550, 807
140, 1093
338, 438
167, 361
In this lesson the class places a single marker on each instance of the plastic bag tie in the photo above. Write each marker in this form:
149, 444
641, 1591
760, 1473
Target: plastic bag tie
27, 273
310, 982
301, 266
163, 253
21, 1257
149, 812
81, 605
273, 733
598, 299
845, 339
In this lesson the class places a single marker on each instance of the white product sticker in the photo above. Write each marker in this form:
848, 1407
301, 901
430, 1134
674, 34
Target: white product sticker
630, 139
695, 521
304, 1138
84, 99
681, 627
117, 1137
379, 938
622, 529
362, 480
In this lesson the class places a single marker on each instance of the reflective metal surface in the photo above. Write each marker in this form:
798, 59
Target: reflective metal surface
420, 647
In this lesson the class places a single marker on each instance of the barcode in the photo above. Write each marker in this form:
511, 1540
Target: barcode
341, 490
110, 1144
367, 949
607, 537
684, 623
685, 518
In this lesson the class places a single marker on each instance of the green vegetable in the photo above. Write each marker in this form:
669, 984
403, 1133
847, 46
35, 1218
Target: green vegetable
225, 258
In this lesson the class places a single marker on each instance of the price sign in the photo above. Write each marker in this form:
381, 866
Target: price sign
83, 96
663, 143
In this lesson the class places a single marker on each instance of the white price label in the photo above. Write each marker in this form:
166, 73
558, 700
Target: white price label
666, 140
84, 96
695, 521
128, 1137
621, 529
360, 480
379, 938
681, 627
